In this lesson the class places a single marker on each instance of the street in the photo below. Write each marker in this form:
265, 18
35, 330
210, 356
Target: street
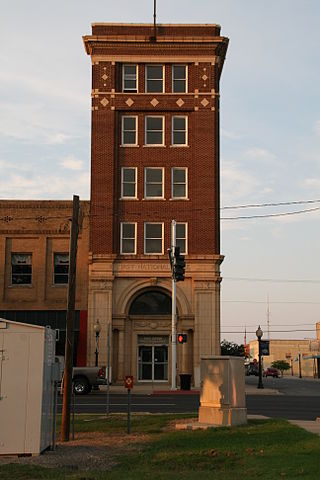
297, 399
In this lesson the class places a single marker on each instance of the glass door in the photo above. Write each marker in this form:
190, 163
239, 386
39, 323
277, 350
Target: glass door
153, 363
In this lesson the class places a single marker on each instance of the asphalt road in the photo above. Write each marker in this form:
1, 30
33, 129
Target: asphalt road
298, 399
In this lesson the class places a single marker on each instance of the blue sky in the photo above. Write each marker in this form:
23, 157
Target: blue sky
270, 135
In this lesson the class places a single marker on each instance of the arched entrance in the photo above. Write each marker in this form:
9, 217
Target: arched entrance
150, 312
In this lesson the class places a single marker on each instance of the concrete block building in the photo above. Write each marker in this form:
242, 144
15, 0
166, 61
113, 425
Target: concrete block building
155, 158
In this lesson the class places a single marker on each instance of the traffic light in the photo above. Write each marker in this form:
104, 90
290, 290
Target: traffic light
182, 337
179, 265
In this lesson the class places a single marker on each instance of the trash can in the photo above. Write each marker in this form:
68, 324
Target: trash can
185, 381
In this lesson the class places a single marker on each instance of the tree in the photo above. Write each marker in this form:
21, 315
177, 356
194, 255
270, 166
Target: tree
281, 365
232, 349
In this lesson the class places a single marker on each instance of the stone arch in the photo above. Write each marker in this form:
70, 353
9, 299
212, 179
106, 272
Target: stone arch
138, 286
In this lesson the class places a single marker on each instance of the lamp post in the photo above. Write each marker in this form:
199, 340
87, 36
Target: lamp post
259, 334
97, 330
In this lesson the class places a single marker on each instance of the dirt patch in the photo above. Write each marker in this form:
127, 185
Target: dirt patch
88, 451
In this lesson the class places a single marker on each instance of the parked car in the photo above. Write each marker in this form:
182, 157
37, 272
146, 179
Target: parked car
271, 372
85, 378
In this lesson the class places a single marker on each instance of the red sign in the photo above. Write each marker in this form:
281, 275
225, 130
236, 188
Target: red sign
128, 382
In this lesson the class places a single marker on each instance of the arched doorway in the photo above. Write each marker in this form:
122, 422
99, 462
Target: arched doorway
151, 313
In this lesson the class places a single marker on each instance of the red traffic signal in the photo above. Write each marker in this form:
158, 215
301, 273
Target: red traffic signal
182, 337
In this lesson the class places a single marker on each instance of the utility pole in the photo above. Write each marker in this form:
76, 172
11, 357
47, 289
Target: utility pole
68, 365
174, 311
268, 317
154, 19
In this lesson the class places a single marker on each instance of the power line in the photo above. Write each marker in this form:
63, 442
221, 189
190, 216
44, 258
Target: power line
275, 331
270, 215
255, 205
273, 280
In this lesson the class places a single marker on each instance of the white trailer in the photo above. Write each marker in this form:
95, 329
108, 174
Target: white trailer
27, 374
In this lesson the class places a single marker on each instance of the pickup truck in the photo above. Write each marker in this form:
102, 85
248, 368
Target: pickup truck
83, 378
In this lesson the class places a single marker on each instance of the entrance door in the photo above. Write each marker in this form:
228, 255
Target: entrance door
153, 363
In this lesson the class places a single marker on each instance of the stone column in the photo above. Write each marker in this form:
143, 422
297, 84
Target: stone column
99, 307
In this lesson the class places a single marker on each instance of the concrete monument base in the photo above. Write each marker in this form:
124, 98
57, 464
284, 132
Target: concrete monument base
222, 398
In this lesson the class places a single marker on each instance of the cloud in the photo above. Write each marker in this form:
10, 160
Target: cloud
72, 163
43, 186
317, 128
57, 139
230, 135
236, 183
260, 154
312, 182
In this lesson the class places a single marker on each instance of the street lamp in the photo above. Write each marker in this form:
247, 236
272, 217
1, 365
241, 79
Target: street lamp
259, 334
97, 330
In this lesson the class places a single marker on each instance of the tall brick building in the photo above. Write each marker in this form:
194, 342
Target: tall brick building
155, 158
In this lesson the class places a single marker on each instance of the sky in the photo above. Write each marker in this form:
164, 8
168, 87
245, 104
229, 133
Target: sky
270, 137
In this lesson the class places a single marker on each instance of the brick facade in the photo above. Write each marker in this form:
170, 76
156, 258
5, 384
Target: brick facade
41, 229
116, 279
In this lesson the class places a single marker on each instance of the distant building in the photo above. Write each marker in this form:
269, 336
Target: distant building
34, 266
155, 158
302, 355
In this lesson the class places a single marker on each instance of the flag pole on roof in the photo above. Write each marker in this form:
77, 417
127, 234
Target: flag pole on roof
154, 19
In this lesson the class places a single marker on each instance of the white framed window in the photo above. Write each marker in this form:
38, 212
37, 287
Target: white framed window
179, 178
128, 238
129, 78
154, 78
128, 182
182, 237
129, 130
153, 182
60, 268
154, 130
21, 269
153, 238
179, 78
180, 131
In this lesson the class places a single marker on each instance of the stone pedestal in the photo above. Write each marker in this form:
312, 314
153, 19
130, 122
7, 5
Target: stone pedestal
222, 400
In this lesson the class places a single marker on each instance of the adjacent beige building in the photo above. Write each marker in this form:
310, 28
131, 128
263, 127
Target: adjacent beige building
302, 355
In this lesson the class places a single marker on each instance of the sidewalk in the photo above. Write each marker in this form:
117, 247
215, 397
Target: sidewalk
160, 389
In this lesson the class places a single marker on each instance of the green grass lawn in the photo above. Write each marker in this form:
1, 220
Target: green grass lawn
266, 449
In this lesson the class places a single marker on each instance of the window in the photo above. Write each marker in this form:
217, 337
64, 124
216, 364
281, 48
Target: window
179, 183
61, 268
153, 238
21, 269
181, 237
128, 182
179, 131
129, 78
128, 238
154, 131
179, 78
153, 182
129, 130
154, 78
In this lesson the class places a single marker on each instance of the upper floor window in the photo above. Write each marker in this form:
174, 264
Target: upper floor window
153, 182
128, 238
129, 78
128, 182
154, 130
129, 130
179, 78
61, 268
179, 182
181, 237
21, 269
154, 78
179, 131
153, 238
